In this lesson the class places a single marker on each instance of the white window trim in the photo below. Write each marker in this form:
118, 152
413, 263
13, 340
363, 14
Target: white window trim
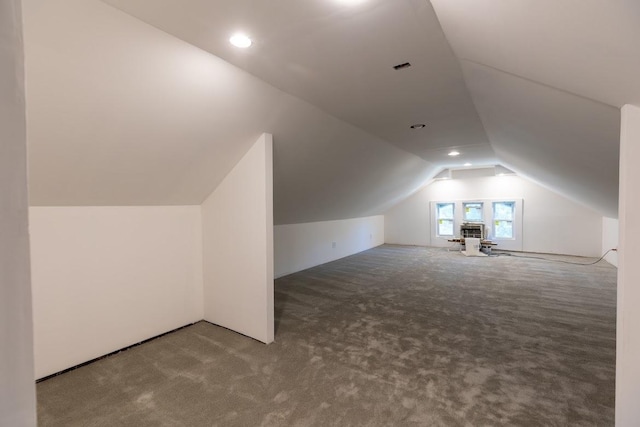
438, 219
515, 244
513, 221
472, 202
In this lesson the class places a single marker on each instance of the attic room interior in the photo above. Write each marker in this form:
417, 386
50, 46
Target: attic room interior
269, 231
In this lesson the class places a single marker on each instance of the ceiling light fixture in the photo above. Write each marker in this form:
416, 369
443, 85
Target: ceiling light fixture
454, 153
418, 126
240, 40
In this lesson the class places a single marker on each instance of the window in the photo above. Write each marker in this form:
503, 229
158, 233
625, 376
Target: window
472, 211
503, 215
444, 216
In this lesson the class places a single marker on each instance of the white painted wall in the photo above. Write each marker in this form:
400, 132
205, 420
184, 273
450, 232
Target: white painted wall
628, 329
551, 223
17, 387
108, 277
610, 232
237, 224
301, 246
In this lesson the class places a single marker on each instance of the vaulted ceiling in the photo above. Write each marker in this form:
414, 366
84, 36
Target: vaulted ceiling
134, 102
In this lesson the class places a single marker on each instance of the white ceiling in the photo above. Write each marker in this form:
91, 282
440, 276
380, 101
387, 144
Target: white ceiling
120, 113
340, 57
562, 141
548, 79
153, 106
586, 47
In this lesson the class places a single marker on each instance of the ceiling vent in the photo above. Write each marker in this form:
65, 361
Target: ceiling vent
402, 66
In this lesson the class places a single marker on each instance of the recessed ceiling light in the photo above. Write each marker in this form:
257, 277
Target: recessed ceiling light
418, 126
467, 164
240, 40
454, 153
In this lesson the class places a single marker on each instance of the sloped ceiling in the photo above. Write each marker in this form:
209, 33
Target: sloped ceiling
548, 79
339, 55
562, 141
121, 113
586, 47
136, 102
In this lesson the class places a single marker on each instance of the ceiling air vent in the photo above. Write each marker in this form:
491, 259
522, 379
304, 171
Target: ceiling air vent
402, 66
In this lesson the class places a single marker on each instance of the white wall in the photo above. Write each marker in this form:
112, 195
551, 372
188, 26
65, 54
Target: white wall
551, 223
17, 388
628, 329
610, 228
237, 224
108, 277
301, 246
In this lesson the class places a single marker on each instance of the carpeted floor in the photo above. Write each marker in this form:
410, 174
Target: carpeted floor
394, 336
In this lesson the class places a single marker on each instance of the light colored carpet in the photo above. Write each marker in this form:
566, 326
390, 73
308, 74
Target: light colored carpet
393, 336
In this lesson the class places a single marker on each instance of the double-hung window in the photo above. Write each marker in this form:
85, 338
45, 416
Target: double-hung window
503, 216
472, 211
444, 218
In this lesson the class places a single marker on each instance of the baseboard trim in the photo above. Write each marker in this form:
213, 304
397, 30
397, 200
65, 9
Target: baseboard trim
88, 362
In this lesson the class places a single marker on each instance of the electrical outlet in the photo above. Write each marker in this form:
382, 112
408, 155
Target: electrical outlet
333, 245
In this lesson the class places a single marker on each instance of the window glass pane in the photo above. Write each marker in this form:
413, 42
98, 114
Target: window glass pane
503, 210
445, 227
503, 215
503, 229
445, 210
444, 217
473, 211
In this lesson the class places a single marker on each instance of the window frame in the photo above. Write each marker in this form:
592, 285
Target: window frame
512, 220
464, 211
452, 220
